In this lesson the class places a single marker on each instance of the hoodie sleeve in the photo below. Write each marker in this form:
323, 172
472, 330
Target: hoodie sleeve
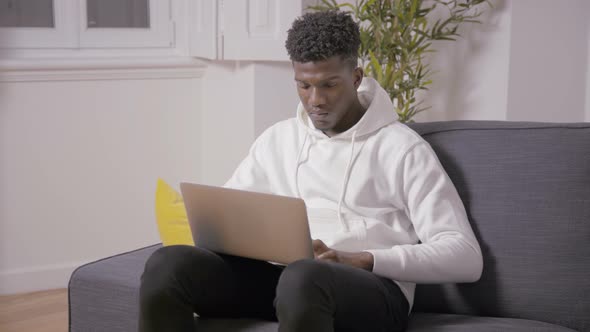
448, 251
250, 174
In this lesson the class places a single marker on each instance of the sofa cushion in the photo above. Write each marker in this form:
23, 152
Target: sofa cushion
421, 322
237, 325
104, 295
526, 188
171, 216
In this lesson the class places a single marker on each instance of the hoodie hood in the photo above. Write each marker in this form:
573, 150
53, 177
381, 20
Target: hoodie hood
379, 112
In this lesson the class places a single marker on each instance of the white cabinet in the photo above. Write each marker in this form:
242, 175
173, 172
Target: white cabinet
242, 29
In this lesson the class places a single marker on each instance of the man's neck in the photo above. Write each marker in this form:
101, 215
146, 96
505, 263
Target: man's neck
352, 117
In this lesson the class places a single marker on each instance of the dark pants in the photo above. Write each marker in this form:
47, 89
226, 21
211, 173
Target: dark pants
307, 295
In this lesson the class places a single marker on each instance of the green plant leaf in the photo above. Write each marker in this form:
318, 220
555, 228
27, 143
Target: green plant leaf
376, 68
397, 34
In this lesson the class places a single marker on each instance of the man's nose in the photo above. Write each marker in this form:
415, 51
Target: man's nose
316, 98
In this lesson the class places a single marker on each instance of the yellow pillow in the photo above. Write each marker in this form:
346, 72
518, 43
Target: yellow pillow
171, 216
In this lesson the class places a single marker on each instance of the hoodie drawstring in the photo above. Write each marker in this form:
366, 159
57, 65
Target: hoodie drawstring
345, 184
297, 165
343, 223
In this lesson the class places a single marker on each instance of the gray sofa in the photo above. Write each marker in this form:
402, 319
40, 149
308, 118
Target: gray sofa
526, 187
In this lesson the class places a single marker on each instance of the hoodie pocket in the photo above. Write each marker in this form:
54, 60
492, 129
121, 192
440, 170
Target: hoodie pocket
353, 240
356, 237
323, 223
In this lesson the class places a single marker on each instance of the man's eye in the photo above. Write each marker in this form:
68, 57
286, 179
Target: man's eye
303, 86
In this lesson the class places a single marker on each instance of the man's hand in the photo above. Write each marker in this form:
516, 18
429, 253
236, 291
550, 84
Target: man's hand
363, 260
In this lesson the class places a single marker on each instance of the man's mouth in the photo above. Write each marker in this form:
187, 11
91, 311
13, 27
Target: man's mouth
318, 115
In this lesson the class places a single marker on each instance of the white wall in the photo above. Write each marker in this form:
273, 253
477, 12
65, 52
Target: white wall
470, 75
79, 162
227, 119
275, 95
548, 61
527, 61
241, 100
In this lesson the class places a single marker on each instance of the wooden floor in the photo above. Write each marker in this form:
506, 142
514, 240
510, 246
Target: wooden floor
45, 311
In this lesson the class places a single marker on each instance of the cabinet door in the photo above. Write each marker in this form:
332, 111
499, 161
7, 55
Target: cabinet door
257, 29
203, 28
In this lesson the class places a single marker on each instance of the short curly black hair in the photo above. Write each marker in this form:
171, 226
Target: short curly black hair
321, 35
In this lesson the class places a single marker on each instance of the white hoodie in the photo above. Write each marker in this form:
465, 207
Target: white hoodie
377, 187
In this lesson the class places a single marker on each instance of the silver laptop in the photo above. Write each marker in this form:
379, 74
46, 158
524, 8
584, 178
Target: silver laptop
248, 224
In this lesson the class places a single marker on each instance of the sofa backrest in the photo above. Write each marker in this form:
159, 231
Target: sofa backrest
526, 189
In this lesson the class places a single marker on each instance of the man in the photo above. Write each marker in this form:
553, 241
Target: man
383, 213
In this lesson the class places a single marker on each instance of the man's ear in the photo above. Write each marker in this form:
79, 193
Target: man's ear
358, 74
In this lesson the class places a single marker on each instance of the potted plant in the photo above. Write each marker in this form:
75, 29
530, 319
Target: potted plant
395, 37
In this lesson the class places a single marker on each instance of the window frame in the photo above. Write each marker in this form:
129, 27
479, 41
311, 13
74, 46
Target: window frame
160, 33
70, 31
30, 64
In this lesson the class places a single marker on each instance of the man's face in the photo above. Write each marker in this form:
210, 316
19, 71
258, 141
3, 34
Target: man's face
327, 90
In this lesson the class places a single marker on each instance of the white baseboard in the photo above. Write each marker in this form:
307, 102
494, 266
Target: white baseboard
37, 278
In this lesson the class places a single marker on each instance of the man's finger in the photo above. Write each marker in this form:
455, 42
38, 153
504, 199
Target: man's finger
319, 245
328, 255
